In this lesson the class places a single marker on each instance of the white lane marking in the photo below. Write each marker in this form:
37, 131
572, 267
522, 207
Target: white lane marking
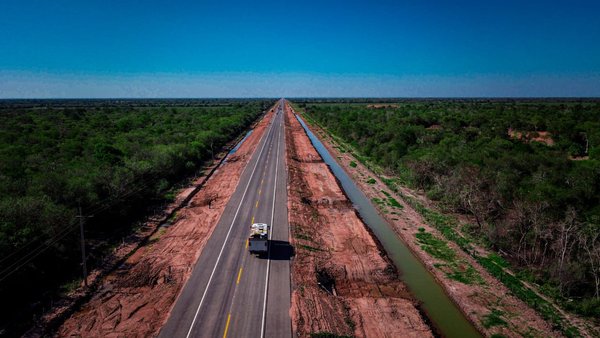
264, 314
228, 233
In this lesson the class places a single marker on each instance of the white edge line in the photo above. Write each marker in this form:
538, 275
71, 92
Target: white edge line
264, 314
228, 233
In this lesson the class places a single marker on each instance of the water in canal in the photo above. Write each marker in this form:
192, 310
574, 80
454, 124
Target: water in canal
237, 146
446, 317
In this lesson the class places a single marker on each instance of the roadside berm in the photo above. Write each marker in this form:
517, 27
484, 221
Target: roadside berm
135, 300
342, 282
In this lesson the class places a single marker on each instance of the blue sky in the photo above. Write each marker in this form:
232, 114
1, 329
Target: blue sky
299, 48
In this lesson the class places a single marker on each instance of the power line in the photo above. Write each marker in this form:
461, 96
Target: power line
24, 260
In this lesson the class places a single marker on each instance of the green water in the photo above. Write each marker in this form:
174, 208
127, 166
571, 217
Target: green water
442, 312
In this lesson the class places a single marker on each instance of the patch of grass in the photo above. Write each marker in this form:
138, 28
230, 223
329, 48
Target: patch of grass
353, 164
377, 201
68, 287
303, 236
453, 267
170, 196
443, 223
327, 335
309, 248
392, 202
515, 285
371, 180
435, 247
494, 318
157, 236
172, 218
497, 260
465, 274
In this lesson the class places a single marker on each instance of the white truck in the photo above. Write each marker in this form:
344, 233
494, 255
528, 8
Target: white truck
258, 242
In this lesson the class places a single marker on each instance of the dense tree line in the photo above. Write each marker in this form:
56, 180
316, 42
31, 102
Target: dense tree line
112, 160
527, 171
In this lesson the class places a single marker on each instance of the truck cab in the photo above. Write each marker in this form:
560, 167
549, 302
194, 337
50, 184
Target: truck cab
258, 243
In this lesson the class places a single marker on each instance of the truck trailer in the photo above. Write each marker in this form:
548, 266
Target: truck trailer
258, 243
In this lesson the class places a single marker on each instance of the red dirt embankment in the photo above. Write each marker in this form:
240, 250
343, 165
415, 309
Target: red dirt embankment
342, 284
136, 299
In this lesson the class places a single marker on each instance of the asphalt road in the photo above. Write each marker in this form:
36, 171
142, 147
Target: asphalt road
231, 292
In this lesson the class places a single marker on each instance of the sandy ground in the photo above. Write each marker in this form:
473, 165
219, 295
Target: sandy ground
341, 282
135, 300
476, 301
532, 136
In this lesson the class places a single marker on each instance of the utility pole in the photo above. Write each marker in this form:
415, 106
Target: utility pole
82, 238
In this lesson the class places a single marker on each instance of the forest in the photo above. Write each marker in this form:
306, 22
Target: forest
526, 171
114, 159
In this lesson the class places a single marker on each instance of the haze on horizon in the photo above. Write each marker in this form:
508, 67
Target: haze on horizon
96, 49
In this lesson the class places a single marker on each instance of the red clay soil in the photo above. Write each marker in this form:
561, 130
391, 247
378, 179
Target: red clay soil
532, 136
341, 281
136, 299
476, 301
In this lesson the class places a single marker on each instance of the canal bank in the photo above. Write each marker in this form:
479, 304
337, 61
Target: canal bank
443, 313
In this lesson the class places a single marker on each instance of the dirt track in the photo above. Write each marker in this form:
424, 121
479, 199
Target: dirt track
136, 299
342, 284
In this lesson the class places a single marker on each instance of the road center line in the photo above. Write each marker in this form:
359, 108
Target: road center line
239, 276
229, 232
227, 325
264, 314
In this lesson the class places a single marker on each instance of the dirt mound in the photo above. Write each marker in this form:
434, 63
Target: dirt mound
341, 282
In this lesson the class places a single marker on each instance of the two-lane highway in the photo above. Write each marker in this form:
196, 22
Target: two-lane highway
231, 292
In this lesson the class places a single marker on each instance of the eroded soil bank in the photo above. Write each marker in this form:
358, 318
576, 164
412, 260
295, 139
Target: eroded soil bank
341, 281
488, 304
136, 299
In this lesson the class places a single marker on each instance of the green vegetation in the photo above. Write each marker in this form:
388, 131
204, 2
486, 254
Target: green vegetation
495, 265
435, 247
392, 201
353, 164
327, 335
309, 248
494, 318
118, 160
303, 236
527, 171
378, 201
453, 267
371, 180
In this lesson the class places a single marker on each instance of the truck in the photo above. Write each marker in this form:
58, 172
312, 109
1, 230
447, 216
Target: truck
258, 243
